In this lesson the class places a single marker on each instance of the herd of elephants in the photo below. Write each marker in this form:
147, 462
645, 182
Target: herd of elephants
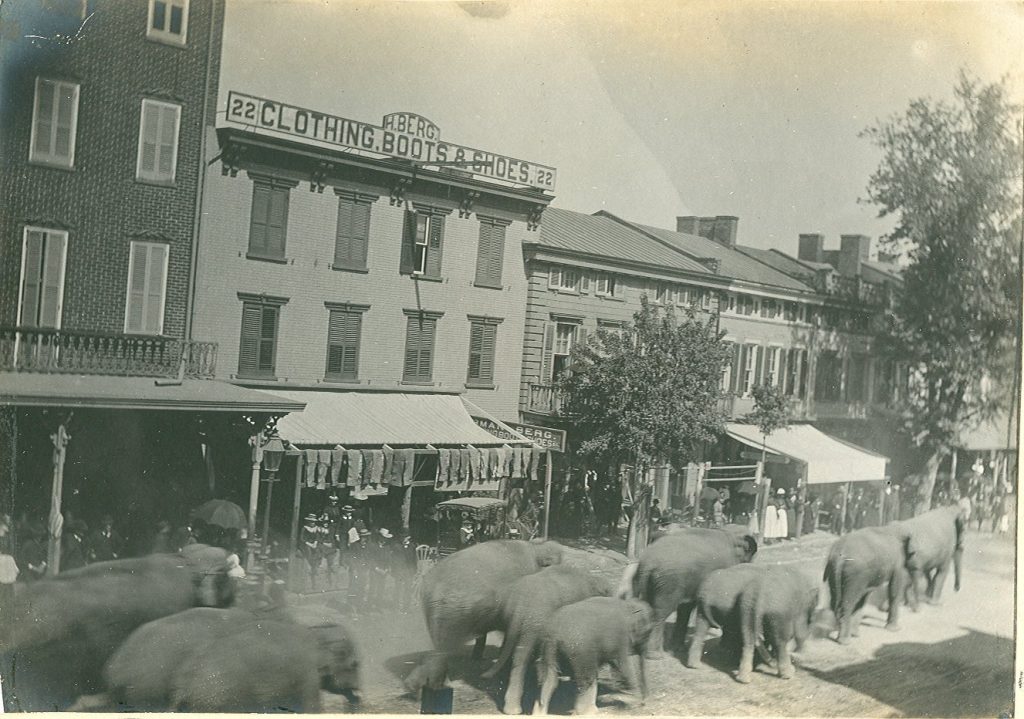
165, 632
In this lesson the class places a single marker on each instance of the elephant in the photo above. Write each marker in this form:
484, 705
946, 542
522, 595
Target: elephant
229, 660
751, 601
584, 636
858, 563
462, 598
670, 571
527, 606
65, 628
932, 541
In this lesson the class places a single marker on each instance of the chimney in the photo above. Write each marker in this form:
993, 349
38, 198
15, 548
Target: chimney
725, 230
811, 246
687, 224
706, 227
853, 249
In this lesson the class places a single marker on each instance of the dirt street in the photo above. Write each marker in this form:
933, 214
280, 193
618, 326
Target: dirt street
954, 660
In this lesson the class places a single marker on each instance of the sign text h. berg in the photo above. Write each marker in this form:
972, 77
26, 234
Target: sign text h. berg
404, 135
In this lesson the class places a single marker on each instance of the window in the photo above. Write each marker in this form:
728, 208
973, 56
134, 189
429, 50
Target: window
565, 279
769, 309
147, 288
343, 334
731, 304
751, 369
43, 259
705, 299
158, 141
257, 349
664, 294
857, 384
791, 311
828, 377
421, 245
771, 365
352, 236
54, 123
745, 304
559, 339
483, 333
605, 285
795, 372
168, 21
420, 333
490, 255
268, 222
727, 369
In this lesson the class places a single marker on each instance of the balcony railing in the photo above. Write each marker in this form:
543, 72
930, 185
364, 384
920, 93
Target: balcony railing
30, 349
545, 399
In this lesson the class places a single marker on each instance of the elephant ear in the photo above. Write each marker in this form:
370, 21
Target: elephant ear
749, 547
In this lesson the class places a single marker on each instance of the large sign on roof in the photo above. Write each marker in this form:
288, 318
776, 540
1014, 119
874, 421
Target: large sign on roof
403, 135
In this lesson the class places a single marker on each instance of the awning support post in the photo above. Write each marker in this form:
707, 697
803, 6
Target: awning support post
842, 511
60, 442
801, 498
256, 441
406, 507
881, 504
547, 494
293, 538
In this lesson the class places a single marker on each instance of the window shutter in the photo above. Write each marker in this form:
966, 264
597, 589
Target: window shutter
744, 353
277, 221
433, 266
150, 128
476, 342
258, 221
155, 289
344, 240
490, 333
268, 338
497, 256
168, 141
405, 266
248, 349
780, 371
554, 278
412, 346
581, 337
736, 367
32, 287
547, 353
490, 255
137, 292
427, 330
585, 283
359, 249
65, 113
46, 89
759, 363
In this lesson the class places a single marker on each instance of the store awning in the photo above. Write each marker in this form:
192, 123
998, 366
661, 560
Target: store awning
493, 425
372, 419
38, 389
828, 459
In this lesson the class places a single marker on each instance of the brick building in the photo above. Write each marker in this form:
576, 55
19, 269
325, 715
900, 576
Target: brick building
374, 285
101, 153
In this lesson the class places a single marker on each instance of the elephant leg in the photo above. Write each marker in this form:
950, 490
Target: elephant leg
517, 677
696, 651
895, 590
586, 696
856, 616
682, 625
624, 665
478, 647
780, 638
938, 582
913, 590
655, 642
547, 677
845, 616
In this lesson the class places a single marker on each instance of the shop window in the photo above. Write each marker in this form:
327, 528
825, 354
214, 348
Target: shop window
483, 334
420, 334
344, 334
352, 235
43, 258
147, 288
257, 350
54, 123
422, 241
158, 141
168, 21
490, 255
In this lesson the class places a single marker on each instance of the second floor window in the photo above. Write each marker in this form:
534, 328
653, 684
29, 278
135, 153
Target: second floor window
771, 365
54, 123
605, 285
257, 350
147, 287
483, 336
751, 373
268, 224
168, 21
42, 277
420, 333
343, 338
158, 141
422, 241
352, 239
565, 279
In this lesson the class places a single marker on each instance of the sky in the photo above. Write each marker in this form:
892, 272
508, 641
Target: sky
648, 109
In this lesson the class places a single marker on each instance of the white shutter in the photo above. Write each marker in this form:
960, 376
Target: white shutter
31, 273
137, 273
168, 141
554, 278
147, 285
156, 284
158, 141
54, 120
53, 281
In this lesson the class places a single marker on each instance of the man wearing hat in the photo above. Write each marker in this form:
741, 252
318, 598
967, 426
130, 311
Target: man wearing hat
311, 547
105, 543
379, 556
330, 541
347, 522
358, 566
73, 550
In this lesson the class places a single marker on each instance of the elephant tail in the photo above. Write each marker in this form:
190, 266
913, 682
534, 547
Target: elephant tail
834, 578
752, 612
508, 646
628, 586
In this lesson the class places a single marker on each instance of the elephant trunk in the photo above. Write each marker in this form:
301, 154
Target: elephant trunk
958, 554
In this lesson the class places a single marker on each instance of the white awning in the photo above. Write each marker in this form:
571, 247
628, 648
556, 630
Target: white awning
828, 459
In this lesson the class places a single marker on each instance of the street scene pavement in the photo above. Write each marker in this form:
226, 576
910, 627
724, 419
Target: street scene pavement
950, 660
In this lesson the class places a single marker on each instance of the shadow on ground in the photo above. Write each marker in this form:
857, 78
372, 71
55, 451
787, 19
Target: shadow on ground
927, 680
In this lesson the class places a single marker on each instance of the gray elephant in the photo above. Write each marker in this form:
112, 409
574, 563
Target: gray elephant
758, 607
859, 563
933, 540
229, 660
584, 636
670, 571
65, 629
528, 605
463, 595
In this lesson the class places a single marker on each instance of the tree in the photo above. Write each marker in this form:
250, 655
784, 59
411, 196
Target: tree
771, 413
650, 391
950, 175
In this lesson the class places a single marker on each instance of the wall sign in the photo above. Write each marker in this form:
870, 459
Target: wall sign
403, 134
553, 439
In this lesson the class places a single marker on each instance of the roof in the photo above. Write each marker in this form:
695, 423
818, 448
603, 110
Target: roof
732, 263
605, 237
828, 459
106, 392
888, 271
378, 418
779, 260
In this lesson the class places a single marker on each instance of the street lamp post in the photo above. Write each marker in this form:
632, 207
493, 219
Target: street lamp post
273, 453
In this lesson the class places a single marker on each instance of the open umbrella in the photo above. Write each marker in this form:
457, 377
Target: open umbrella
221, 513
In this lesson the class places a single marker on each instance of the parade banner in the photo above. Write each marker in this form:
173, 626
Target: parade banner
403, 135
